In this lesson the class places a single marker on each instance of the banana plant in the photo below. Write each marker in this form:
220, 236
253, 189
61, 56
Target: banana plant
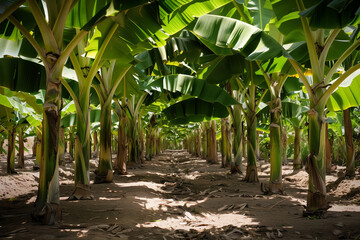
122, 150
305, 21
46, 36
16, 108
234, 35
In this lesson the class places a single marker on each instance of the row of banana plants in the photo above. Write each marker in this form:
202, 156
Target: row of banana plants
229, 61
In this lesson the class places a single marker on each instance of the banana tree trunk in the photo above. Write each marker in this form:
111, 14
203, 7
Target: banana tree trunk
33, 147
11, 150
96, 145
350, 151
71, 142
198, 143
142, 146
204, 142
62, 146
212, 147
226, 131
21, 162
158, 143
38, 151
316, 198
82, 152
121, 158
105, 171
47, 203
222, 144
251, 169
275, 184
284, 147
153, 144
328, 151
236, 165
1, 144
297, 149
148, 144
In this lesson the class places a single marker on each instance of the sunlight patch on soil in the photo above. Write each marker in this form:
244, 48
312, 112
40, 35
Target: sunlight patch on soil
345, 187
344, 208
200, 222
12, 186
161, 204
150, 185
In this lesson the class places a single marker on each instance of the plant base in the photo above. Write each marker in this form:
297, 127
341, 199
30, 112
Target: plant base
81, 192
251, 174
272, 188
49, 214
235, 169
12, 171
316, 205
297, 166
99, 178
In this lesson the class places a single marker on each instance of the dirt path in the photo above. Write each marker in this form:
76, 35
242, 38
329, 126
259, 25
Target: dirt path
177, 196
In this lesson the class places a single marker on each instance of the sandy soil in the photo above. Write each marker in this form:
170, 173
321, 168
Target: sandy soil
177, 196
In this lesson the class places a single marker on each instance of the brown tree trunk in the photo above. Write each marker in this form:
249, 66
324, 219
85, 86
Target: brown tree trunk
212, 150
21, 160
11, 150
297, 149
350, 151
328, 151
61, 146
284, 146
121, 158
96, 145
198, 143
34, 147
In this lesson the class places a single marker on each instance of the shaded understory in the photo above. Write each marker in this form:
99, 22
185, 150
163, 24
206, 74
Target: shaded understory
178, 196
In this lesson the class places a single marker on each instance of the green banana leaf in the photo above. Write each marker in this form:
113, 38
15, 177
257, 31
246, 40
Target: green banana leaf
224, 35
222, 68
70, 119
22, 75
189, 85
346, 95
288, 19
24, 98
257, 13
323, 14
17, 105
179, 14
333, 14
194, 110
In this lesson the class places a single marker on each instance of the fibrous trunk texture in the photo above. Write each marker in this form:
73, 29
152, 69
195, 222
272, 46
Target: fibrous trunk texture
47, 207
21, 162
276, 154
251, 169
11, 150
104, 172
316, 166
297, 149
350, 151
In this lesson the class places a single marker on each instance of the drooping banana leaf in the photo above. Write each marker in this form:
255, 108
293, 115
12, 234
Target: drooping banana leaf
24, 98
179, 14
333, 14
222, 68
257, 13
189, 85
323, 14
347, 94
194, 110
70, 118
22, 75
224, 35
